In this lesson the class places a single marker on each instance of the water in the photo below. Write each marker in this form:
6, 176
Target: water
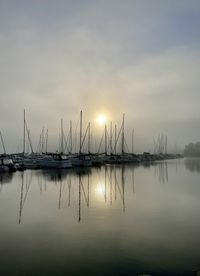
121, 220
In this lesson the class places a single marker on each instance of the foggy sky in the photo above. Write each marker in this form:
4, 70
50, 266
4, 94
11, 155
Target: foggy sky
140, 58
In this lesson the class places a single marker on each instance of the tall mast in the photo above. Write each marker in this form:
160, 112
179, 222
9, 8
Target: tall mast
111, 138
61, 136
28, 144
159, 139
70, 131
123, 140
132, 140
24, 135
2, 143
81, 122
105, 139
91, 141
46, 140
115, 139
29, 141
166, 144
89, 137
42, 139
162, 143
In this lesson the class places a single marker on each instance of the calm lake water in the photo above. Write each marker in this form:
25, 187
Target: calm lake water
117, 220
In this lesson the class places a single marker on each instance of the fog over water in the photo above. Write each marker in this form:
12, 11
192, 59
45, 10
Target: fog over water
137, 57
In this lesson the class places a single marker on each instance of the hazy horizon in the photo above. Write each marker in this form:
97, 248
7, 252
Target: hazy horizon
140, 58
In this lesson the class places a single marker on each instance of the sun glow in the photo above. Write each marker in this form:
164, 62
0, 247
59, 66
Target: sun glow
101, 119
100, 190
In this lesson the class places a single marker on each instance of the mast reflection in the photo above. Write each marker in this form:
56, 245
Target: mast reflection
73, 187
23, 193
161, 171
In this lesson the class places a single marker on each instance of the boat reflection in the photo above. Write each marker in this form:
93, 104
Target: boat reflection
76, 188
53, 174
5, 178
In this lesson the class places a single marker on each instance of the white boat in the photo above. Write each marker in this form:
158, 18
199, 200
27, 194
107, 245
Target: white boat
6, 164
57, 161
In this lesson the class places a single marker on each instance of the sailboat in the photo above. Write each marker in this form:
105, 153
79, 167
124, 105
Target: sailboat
56, 160
6, 163
81, 159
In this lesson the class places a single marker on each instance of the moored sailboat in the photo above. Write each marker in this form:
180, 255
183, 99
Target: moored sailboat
56, 160
81, 159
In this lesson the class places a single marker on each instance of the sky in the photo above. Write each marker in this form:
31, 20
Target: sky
138, 57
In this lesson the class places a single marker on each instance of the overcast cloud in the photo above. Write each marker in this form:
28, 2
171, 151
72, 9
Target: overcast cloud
137, 57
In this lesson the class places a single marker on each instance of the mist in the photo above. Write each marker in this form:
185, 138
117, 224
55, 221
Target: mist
140, 58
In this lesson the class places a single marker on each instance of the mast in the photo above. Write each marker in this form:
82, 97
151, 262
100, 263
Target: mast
111, 138
2, 143
132, 140
61, 125
81, 122
42, 139
70, 135
89, 139
123, 140
166, 144
29, 141
24, 134
46, 140
27, 147
115, 139
105, 140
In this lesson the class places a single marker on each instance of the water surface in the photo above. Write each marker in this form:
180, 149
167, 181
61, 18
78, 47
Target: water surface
117, 220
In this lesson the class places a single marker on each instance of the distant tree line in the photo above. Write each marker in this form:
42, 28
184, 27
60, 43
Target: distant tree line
192, 150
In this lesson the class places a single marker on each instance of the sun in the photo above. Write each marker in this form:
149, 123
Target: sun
101, 119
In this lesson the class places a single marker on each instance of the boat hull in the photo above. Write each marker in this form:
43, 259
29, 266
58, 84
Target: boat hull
81, 161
